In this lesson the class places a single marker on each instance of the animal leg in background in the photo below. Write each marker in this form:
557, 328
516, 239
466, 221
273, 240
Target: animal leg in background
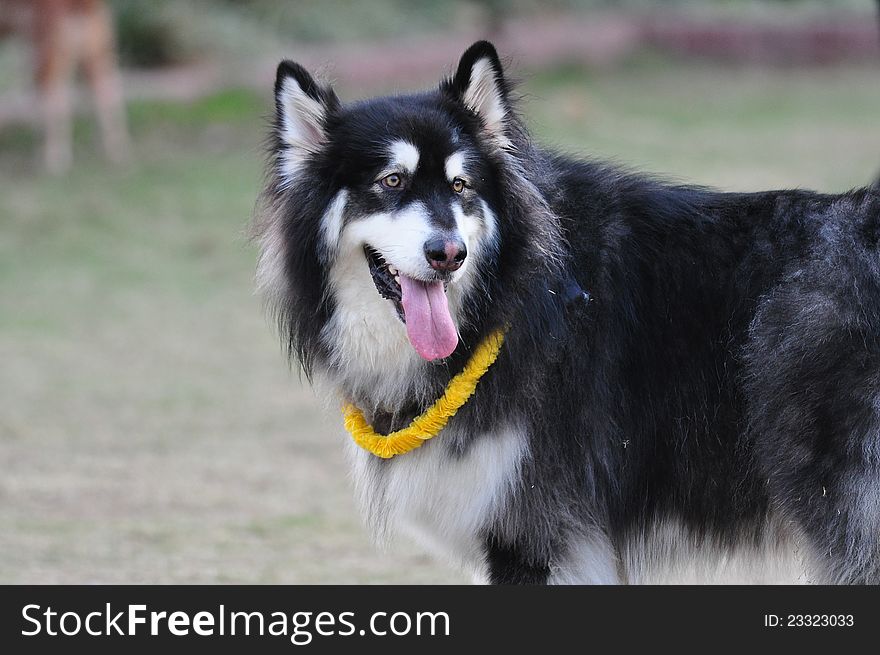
66, 34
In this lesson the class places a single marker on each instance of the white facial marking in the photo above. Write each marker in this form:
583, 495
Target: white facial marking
490, 221
484, 97
364, 335
400, 237
477, 232
301, 129
404, 156
454, 166
479, 238
366, 338
331, 222
469, 228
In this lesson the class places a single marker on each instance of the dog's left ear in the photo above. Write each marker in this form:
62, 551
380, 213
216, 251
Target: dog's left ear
480, 85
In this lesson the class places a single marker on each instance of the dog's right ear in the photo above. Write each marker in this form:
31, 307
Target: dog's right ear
301, 110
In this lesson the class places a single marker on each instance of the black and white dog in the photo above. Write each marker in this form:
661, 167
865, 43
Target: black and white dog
689, 389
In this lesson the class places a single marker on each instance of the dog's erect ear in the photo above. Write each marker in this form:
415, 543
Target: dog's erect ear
301, 110
480, 85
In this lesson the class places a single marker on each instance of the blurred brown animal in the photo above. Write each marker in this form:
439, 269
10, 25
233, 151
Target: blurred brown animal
67, 34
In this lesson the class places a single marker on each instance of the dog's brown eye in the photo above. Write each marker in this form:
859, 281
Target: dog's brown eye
458, 185
392, 181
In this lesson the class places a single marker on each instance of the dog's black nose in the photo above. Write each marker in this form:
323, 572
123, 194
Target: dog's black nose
445, 254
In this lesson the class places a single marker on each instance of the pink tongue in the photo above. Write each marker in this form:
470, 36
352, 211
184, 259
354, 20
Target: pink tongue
428, 323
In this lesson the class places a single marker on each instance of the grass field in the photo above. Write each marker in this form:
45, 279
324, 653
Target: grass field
150, 430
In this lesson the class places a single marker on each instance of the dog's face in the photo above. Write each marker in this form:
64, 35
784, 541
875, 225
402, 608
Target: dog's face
406, 190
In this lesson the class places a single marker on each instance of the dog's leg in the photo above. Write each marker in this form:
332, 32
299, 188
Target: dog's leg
102, 74
55, 59
844, 528
812, 377
509, 565
823, 475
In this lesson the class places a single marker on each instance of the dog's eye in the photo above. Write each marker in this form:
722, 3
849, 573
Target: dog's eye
458, 185
393, 181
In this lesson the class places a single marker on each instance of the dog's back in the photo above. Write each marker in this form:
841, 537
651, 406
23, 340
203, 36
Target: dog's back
688, 387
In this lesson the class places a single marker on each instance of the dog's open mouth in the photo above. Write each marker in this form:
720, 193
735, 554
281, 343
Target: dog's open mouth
386, 279
421, 305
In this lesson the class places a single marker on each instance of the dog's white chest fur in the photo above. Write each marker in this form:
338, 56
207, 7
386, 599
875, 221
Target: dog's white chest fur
442, 501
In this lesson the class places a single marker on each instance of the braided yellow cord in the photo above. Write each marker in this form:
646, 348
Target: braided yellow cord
432, 420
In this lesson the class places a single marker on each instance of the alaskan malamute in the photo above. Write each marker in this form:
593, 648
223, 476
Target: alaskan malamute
687, 382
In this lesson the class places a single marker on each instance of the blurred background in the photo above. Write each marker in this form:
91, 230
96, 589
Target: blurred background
150, 430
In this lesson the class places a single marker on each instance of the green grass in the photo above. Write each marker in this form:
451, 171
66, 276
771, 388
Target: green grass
149, 428
734, 128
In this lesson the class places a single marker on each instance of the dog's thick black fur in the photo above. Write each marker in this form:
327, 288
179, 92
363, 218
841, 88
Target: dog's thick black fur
674, 355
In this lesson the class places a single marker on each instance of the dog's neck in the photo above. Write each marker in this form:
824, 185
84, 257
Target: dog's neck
385, 422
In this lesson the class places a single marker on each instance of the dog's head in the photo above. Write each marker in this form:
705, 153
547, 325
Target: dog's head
383, 214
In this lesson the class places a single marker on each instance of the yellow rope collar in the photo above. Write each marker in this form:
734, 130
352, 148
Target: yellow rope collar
432, 420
